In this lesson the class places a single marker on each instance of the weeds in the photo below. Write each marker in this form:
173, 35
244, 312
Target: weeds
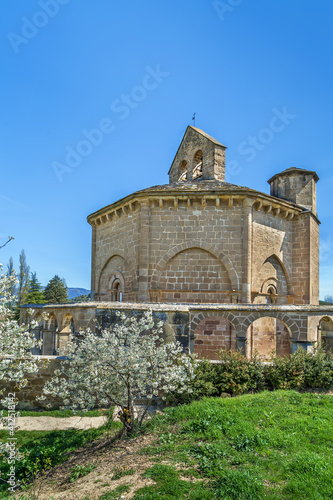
80, 471
118, 473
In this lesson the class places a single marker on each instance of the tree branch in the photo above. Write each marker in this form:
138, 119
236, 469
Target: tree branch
9, 239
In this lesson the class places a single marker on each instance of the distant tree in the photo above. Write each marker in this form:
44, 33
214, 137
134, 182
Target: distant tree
82, 298
11, 284
328, 298
35, 294
10, 267
56, 291
23, 278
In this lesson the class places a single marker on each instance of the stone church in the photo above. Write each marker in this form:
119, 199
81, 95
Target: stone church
223, 265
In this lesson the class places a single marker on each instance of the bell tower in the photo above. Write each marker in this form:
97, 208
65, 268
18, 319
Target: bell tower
199, 157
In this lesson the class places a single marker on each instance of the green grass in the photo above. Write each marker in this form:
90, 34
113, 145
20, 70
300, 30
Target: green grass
272, 445
47, 449
276, 445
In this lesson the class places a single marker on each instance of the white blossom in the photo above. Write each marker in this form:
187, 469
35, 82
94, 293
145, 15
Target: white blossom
128, 362
16, 342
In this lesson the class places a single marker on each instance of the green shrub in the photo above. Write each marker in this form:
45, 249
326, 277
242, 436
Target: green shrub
234, 374
287, 372
237, 374
302, 370
203, 385
319, 369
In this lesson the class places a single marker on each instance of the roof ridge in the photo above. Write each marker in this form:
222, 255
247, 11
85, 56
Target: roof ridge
209, 137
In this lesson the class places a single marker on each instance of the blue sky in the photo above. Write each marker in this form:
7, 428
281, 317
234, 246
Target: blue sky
137, 71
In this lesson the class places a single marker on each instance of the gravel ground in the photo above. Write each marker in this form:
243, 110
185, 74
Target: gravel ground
56, 424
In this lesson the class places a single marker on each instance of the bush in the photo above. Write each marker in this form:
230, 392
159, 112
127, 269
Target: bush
319, 369
287, 372
204, 384
234, 374
302, 370
237, 374
80, 471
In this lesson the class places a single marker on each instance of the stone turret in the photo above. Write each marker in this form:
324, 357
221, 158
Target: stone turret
199, 157
296, 185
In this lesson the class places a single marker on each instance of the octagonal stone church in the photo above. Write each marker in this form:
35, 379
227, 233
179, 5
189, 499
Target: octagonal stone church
223, 265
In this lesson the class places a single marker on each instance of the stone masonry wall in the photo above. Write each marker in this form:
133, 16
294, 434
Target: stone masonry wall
301, 271
212, 335
192, 272
187, 247
314, 261
117, 248
272, 245
147, 242
27, 395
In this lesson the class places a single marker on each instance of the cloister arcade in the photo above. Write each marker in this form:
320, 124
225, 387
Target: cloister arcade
202, 329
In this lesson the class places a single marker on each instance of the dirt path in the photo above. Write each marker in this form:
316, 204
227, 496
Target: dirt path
56, 424
61, 424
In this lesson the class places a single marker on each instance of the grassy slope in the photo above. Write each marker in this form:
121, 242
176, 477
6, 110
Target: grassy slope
275, 445
47, 449
270, 445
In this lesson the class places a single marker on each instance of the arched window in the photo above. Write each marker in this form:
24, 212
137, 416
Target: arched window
182, 171
197, 168
272, 295
325, 333
117, 294
117, 285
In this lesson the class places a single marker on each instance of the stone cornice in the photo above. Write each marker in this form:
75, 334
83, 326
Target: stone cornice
221, 195
155, 306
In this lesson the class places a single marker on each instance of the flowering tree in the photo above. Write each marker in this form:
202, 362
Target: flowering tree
130, 361
16, 342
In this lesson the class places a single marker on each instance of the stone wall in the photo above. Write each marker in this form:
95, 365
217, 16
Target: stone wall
201, 249
212, 335
117, 250
27, 395
272, 254
210, 239
202, 329
274, 326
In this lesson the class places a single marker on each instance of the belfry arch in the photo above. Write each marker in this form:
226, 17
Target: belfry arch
197, 165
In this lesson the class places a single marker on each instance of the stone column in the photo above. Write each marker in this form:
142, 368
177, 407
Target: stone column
247, 251
93, 257
143, 257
